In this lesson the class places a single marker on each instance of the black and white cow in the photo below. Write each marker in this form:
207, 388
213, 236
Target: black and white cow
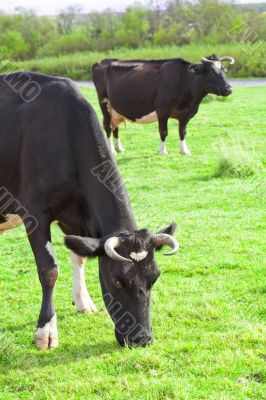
55, 165
144, 91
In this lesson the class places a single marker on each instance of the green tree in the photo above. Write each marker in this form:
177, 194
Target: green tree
14, 45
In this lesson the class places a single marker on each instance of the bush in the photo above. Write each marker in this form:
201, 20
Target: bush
73, 42
14, 45
237, 160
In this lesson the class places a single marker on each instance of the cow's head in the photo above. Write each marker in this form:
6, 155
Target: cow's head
212, 72
128, 271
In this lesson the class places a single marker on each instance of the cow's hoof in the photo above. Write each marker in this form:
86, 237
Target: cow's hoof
163, 152
85, 306
187, 153
111, 146
118, 146
120, 149
184, 149
47, 343
47, 337
89, 309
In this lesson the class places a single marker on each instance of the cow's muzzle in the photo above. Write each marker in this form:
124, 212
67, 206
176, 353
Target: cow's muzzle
142, 339
226, 91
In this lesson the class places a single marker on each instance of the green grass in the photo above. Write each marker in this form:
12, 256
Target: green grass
236, 159
208, 307
250, 59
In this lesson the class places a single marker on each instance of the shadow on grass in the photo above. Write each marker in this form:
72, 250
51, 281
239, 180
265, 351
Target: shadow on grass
29, 357
198, 178
18, 352
129, 159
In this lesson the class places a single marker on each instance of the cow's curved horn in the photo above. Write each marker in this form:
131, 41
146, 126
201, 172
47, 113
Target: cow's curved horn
161, 239
110, 246
227, 58
206, 60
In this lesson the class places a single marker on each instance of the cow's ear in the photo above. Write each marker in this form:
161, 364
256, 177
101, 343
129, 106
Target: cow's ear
170, 229
84, 246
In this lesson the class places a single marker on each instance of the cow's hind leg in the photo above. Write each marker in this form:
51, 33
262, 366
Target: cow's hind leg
80, 295
162, 150
40, 240
118, 146
107, 125
182, 134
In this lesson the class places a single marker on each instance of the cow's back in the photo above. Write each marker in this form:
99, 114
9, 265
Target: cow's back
42, 142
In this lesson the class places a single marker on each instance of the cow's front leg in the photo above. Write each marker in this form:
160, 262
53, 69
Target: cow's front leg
182, 133
40, 240
107, 127
80, 295
162, 150
118, 146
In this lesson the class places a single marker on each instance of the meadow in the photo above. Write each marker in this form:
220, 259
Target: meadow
249, 58
208, 306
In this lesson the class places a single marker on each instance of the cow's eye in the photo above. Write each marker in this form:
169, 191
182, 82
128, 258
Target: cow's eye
117, 283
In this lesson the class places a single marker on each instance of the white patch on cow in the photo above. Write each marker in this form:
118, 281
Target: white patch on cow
139, 256
12, 221
162, 150
183, 148
218, 64
80, 294
51, 252
111, 146
47, 337
118, 146
148, 119
117, 118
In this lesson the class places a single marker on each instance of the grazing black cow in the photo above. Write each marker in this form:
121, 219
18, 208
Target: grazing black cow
145, 91
55, 165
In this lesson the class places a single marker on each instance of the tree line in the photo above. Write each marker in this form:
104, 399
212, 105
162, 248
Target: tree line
25, 35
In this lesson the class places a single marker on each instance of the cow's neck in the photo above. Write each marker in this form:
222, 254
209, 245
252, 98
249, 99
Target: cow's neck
200, 91
110, 210
106, 198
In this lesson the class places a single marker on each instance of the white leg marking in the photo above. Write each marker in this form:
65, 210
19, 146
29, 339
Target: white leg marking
162, 149
51, 252
47, 337
118, 146
111, 146
183, 148
80, 293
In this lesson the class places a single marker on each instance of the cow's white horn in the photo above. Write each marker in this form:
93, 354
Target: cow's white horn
206, 60
110, 245
161, 239
227, 58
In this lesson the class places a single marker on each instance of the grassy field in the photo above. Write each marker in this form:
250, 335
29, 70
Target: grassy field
208, 307
249, 59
